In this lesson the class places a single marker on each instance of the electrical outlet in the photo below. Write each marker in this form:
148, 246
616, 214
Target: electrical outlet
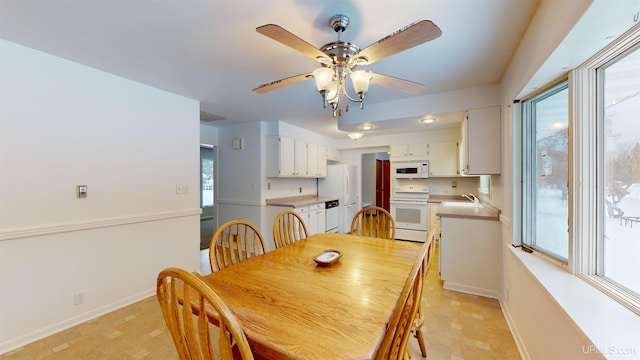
80, 297
182, 189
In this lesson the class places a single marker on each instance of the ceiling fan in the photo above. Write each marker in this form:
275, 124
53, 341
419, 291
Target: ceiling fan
339, 59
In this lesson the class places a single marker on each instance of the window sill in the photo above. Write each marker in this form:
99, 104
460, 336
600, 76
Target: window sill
610, 326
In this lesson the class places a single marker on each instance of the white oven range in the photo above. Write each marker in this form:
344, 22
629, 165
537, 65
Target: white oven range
411, 217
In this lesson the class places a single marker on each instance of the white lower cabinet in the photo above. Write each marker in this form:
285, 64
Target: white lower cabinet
434, 221
470, 255
313, 216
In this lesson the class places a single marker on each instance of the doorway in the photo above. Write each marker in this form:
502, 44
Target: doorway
376, 173
208, 218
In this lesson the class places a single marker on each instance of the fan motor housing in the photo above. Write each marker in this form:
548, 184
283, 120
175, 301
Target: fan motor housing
341, 52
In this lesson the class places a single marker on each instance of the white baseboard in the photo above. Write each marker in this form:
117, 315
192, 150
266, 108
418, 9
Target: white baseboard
514, 331
471, 290
22, 340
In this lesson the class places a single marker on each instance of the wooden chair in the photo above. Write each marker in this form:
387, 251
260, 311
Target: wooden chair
233, 242
182, 295
373, 221
288, 227
419, 320
394, 344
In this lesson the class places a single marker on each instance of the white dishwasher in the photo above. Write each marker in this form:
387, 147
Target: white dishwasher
331, 211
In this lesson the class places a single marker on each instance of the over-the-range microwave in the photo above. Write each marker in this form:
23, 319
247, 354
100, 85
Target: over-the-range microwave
410, 169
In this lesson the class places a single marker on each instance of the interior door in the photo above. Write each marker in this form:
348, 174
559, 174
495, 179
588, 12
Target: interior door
383, 183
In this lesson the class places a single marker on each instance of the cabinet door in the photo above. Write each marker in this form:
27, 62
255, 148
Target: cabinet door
312, 160
287, 148
300, 158
418, 151
483, 141
317, 221
434, 221
443, 158
333, 154
322, 161
280, 162
409, 152
463, 157
304, 214
398, 152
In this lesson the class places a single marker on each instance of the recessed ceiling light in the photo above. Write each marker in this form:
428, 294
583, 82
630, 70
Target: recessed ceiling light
428, 120
366, 127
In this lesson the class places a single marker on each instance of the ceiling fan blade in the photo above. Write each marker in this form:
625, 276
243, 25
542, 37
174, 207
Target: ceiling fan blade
405, 86
275, 85
403, 39
283, 36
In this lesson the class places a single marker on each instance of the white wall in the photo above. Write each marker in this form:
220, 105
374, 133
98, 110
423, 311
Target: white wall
63, 124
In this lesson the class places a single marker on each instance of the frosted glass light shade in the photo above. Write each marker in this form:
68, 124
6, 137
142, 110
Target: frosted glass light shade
332, 96
323, 78
360, 80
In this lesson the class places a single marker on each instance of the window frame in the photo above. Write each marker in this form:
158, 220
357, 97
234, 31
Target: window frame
587, 160
528, 162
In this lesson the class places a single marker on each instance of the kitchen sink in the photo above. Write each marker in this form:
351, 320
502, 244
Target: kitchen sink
466, 204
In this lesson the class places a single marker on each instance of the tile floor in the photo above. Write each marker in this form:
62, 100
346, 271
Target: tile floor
457, 326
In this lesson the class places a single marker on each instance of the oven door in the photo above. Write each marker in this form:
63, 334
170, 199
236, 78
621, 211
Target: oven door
410, 214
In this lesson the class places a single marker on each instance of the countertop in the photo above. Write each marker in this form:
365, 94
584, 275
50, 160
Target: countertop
442, 198
485, 212
298, 201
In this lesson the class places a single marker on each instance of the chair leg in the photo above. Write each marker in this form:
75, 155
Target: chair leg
423, 348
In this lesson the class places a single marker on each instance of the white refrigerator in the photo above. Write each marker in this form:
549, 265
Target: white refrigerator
341, 183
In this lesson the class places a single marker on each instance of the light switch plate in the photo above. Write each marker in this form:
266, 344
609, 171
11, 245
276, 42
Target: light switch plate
81, 191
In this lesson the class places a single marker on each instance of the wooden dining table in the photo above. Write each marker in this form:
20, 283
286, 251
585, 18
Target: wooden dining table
291, 308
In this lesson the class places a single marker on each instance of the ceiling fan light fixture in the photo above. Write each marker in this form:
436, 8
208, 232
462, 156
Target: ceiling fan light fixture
323, 76
361, 80
354, 135
340, 58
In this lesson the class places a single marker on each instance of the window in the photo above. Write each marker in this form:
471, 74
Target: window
580, 198
614, 263
545, 140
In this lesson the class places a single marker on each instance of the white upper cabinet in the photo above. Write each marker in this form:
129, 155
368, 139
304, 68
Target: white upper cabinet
280, 159
312, 160
443, 158
289, 157
408, 152
300, 157
480, 142
322, 161
333, 154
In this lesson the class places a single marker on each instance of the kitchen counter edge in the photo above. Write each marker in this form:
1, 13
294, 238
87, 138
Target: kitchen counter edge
486, 212
298, 201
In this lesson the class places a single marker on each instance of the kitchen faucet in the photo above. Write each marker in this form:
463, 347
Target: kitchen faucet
471, 197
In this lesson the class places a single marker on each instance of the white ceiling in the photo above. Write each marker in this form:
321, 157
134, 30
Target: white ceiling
209, 50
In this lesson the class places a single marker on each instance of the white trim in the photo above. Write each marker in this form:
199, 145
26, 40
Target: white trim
473, 290
44, 332
585, 169
520, 343
88, 225
241, 202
